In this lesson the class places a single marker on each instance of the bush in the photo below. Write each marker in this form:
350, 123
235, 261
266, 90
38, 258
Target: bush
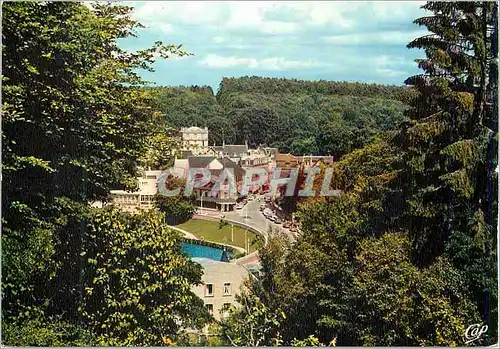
44, 333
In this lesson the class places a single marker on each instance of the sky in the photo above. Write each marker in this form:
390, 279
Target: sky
337, 40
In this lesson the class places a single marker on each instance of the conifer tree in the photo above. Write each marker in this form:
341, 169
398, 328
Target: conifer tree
450, 143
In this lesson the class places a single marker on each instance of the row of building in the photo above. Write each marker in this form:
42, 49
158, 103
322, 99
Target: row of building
196, 153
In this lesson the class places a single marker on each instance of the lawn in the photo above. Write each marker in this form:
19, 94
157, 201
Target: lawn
209, 231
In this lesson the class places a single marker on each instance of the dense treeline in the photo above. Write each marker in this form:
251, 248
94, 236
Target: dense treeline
192, 106
264, 85
300, 117
305, 124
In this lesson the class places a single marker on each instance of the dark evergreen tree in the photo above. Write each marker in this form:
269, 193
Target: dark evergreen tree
450, 144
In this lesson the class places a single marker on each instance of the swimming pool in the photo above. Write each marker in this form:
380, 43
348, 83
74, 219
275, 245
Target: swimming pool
200, 251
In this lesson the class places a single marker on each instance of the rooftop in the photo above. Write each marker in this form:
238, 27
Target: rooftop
194, 129
200, 161
231, 149
235, 149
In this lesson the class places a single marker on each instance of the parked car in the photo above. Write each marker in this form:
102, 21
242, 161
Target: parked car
286, 224
277, 220
262, 207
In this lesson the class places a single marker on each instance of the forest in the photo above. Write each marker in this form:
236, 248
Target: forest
406, 256
298, 117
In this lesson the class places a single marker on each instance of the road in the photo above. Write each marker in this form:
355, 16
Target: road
251, 215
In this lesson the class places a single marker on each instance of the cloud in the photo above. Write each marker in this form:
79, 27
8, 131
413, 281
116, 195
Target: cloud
391, 66
266, 17
218, 39
336, 40
385, 38
273, 63
273, 17
160, 14
391, 73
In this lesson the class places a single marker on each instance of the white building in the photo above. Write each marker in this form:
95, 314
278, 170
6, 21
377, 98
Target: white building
194, 139
143, 198
255, 158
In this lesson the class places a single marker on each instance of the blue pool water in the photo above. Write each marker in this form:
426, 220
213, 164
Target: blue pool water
200, 251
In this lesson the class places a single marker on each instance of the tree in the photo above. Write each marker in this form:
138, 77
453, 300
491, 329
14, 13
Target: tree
253, 324
75, 123
336, 138
137, 281
398, 304
450, 147
162, 145
178, 208
255, 126
311, 341
304, 146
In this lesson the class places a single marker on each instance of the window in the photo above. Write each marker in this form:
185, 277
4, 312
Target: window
227, 289
225, 309
146, 199
209, 290
210, 308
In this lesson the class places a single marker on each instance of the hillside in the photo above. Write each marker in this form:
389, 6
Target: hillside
300, 117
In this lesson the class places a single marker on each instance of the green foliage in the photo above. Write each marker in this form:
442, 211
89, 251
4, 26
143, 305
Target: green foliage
279, 86
347, 276
450, 148
310, 341
45, 333
254, 324
398, 304
177, 209
137, 282
75, 124
405, 256
162, 145
303, 123
300, 117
